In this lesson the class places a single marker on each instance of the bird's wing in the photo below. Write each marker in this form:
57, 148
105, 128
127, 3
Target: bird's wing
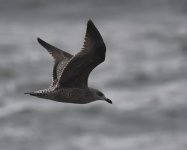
60, 59
76, 72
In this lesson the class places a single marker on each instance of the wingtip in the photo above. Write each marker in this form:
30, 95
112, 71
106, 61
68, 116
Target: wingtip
93, 32
39, 40
90, 22
91, 26
44, 44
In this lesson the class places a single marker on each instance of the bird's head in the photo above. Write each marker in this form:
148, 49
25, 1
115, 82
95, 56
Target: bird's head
98, 95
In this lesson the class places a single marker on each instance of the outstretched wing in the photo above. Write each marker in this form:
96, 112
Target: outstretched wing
77, 71
60, 59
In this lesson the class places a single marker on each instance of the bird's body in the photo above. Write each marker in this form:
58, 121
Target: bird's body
67, 95
70, 73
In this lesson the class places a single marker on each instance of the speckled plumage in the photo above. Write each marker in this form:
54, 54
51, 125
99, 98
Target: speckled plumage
70, 73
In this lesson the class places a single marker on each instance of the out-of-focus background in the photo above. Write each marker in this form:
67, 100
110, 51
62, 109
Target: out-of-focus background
145, 74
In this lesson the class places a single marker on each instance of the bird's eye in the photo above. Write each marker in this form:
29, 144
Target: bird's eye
100, 94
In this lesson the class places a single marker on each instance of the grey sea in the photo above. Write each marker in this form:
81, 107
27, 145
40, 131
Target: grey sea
144, 74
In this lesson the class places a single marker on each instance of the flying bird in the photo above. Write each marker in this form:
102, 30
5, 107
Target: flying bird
70, 73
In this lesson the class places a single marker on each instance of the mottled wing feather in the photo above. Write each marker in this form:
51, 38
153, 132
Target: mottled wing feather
60, 59
77, 71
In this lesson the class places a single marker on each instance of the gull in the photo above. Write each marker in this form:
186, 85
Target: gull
70, 73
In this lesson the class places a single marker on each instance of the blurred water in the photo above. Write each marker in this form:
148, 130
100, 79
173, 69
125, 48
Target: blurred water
144, 74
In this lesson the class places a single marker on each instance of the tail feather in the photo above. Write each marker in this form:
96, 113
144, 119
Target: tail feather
30, 93
39, 93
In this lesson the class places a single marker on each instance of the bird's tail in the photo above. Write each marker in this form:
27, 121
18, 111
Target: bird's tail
40, 93
30, 93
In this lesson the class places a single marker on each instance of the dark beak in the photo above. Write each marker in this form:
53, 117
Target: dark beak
108, 100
